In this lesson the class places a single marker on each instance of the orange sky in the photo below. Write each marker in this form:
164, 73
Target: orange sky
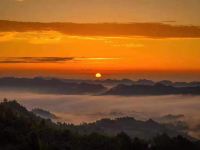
173, 11
157, 39
90, 54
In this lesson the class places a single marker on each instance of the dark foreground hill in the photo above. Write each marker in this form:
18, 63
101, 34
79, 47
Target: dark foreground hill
22, 130
132, 127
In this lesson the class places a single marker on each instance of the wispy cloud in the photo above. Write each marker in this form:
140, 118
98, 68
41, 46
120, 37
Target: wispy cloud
97, 58
35, 59
17, 60
152, 30
36, 37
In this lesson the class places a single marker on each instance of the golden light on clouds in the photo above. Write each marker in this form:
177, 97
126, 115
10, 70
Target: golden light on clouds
98, 52
49, 50
32, 37
108, 36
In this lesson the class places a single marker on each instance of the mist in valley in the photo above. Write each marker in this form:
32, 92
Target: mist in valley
78, 109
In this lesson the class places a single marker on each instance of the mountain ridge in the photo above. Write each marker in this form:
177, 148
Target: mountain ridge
124, 87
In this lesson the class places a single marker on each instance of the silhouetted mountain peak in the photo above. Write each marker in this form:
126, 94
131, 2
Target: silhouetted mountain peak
144, 82
166, 82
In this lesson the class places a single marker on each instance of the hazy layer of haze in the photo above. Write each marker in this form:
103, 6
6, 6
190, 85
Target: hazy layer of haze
85, 108
77, 109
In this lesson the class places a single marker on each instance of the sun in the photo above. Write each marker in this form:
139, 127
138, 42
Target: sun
98, 75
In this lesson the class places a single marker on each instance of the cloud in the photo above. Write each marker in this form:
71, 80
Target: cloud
152, 30
17, 60
97, 58
7, 36
47, 37
35, 59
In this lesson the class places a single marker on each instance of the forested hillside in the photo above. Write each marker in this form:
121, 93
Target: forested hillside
22, 130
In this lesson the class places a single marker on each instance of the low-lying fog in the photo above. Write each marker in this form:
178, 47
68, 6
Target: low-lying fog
84, 108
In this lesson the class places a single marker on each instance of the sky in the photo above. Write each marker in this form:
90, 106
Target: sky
179, 11
155, 39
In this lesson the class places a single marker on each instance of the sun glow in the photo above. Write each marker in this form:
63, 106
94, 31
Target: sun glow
98, 75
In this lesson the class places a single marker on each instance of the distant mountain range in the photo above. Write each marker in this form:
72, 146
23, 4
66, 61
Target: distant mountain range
123, 87
51, 86
114, 82
156, 89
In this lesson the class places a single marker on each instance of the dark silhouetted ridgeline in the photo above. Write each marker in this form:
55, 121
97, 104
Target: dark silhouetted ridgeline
51, 86
123, 87
22, 130
132, 127
156, 89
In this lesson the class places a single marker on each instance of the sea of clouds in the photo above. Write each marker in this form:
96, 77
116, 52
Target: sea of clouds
85, 108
